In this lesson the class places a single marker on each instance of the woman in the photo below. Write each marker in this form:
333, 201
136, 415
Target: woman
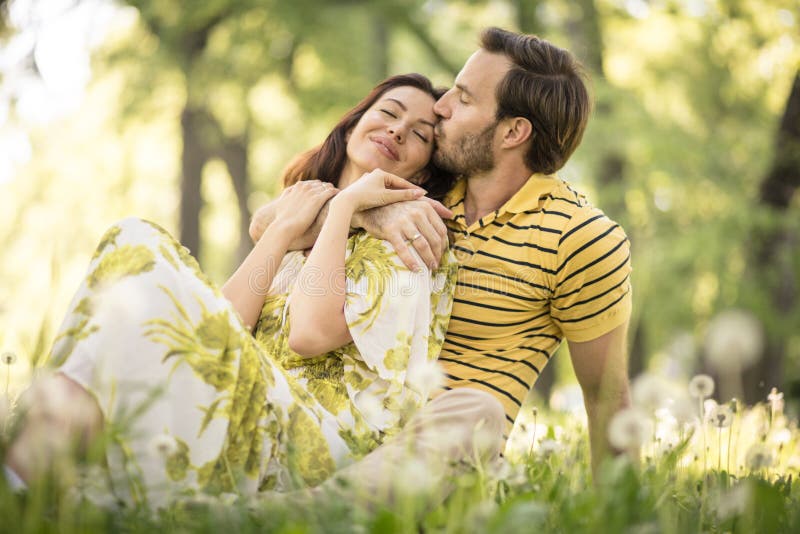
192, 397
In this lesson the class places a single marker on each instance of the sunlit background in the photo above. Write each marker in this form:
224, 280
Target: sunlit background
110, 109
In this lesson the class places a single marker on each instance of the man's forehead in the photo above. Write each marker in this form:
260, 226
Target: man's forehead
483, 69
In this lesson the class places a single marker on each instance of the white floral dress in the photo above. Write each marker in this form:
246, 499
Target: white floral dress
167, 357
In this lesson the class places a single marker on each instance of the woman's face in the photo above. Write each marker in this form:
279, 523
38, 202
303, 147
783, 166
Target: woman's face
395, 134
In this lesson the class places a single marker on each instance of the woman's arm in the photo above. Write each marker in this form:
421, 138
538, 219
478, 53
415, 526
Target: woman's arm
316, 306
295, 211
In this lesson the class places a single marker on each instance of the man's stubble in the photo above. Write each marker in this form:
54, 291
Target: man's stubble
471, 155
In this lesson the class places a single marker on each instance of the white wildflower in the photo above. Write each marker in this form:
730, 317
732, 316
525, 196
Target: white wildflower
782, 436
758, 457
425, 377
9, 358
683, 410
701, 386
650, 392
721, 416
775, 399
629, 428
734, 339
162, 446
549, 446
709, 405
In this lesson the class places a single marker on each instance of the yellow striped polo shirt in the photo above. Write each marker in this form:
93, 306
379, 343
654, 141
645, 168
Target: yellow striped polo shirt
544, 267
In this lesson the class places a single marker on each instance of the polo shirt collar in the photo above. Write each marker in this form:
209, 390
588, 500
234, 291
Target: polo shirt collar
537, 186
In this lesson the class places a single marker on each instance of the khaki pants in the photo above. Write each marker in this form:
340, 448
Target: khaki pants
452, 432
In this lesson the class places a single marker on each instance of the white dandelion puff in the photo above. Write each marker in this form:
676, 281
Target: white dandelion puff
775, 399
162, 446
758, 457
549, 447
650, 392
721, 416
701, 386
629, 428
734, 339
9, 358
426, 377
683, 410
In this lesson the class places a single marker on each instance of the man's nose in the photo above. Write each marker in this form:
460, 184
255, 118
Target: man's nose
441, 108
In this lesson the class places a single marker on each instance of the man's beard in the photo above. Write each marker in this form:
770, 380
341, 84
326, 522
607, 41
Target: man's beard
473, 154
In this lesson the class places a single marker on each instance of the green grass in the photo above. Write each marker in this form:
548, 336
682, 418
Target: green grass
548, 490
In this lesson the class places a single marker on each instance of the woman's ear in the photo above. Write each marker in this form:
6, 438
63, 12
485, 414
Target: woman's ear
518, 130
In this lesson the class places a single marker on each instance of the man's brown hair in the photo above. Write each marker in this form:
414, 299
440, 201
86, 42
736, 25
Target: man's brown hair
546, 86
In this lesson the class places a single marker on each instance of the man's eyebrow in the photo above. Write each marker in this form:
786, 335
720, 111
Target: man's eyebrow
463, 89
404, 108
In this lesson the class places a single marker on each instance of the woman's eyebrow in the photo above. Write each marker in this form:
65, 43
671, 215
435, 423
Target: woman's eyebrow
404, 108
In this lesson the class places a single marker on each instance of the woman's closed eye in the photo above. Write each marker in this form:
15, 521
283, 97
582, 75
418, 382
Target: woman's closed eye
390, 113
421, 135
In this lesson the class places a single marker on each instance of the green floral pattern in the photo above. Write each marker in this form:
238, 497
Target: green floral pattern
245, 412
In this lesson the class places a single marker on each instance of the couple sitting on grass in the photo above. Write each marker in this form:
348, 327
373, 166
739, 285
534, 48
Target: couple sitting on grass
320, 358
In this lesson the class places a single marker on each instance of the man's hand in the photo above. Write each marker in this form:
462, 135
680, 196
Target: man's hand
601, 366
266, 214
416, 223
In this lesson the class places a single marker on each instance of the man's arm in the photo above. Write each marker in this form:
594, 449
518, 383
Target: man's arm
601, 366
396, 223
265, 215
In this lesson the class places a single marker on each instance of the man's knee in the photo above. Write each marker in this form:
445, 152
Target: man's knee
469, 416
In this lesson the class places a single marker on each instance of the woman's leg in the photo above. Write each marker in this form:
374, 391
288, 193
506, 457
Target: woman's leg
185, 394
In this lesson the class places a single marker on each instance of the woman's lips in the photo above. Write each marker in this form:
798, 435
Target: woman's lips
385, 148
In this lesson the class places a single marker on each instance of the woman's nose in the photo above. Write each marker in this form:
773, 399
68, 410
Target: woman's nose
397, 133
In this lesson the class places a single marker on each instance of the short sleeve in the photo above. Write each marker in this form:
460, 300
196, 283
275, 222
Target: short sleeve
592, 295
397, 318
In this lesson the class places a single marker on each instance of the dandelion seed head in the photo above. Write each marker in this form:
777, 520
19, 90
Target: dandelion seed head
629, 428
162, 446
650, 392
425, 377
683, 410
782, 436
734, 339
721, 416
549, 446
701, 386
9, 358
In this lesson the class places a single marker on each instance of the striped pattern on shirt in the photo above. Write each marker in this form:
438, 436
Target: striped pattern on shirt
543, 267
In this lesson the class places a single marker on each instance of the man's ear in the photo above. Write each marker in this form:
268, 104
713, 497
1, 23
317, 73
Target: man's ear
517, 131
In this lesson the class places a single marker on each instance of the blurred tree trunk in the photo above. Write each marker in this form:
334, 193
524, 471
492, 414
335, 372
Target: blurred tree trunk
193, 159
776, 250
234, 154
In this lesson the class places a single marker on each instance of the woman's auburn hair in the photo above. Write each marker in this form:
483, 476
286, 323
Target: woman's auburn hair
326, 161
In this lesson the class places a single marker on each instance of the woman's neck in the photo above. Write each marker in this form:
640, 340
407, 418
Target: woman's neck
350, 173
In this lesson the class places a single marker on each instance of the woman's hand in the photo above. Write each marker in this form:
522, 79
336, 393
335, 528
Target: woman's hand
298, 205
378, 188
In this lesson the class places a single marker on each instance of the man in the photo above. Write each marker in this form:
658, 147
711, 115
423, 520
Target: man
538, 263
